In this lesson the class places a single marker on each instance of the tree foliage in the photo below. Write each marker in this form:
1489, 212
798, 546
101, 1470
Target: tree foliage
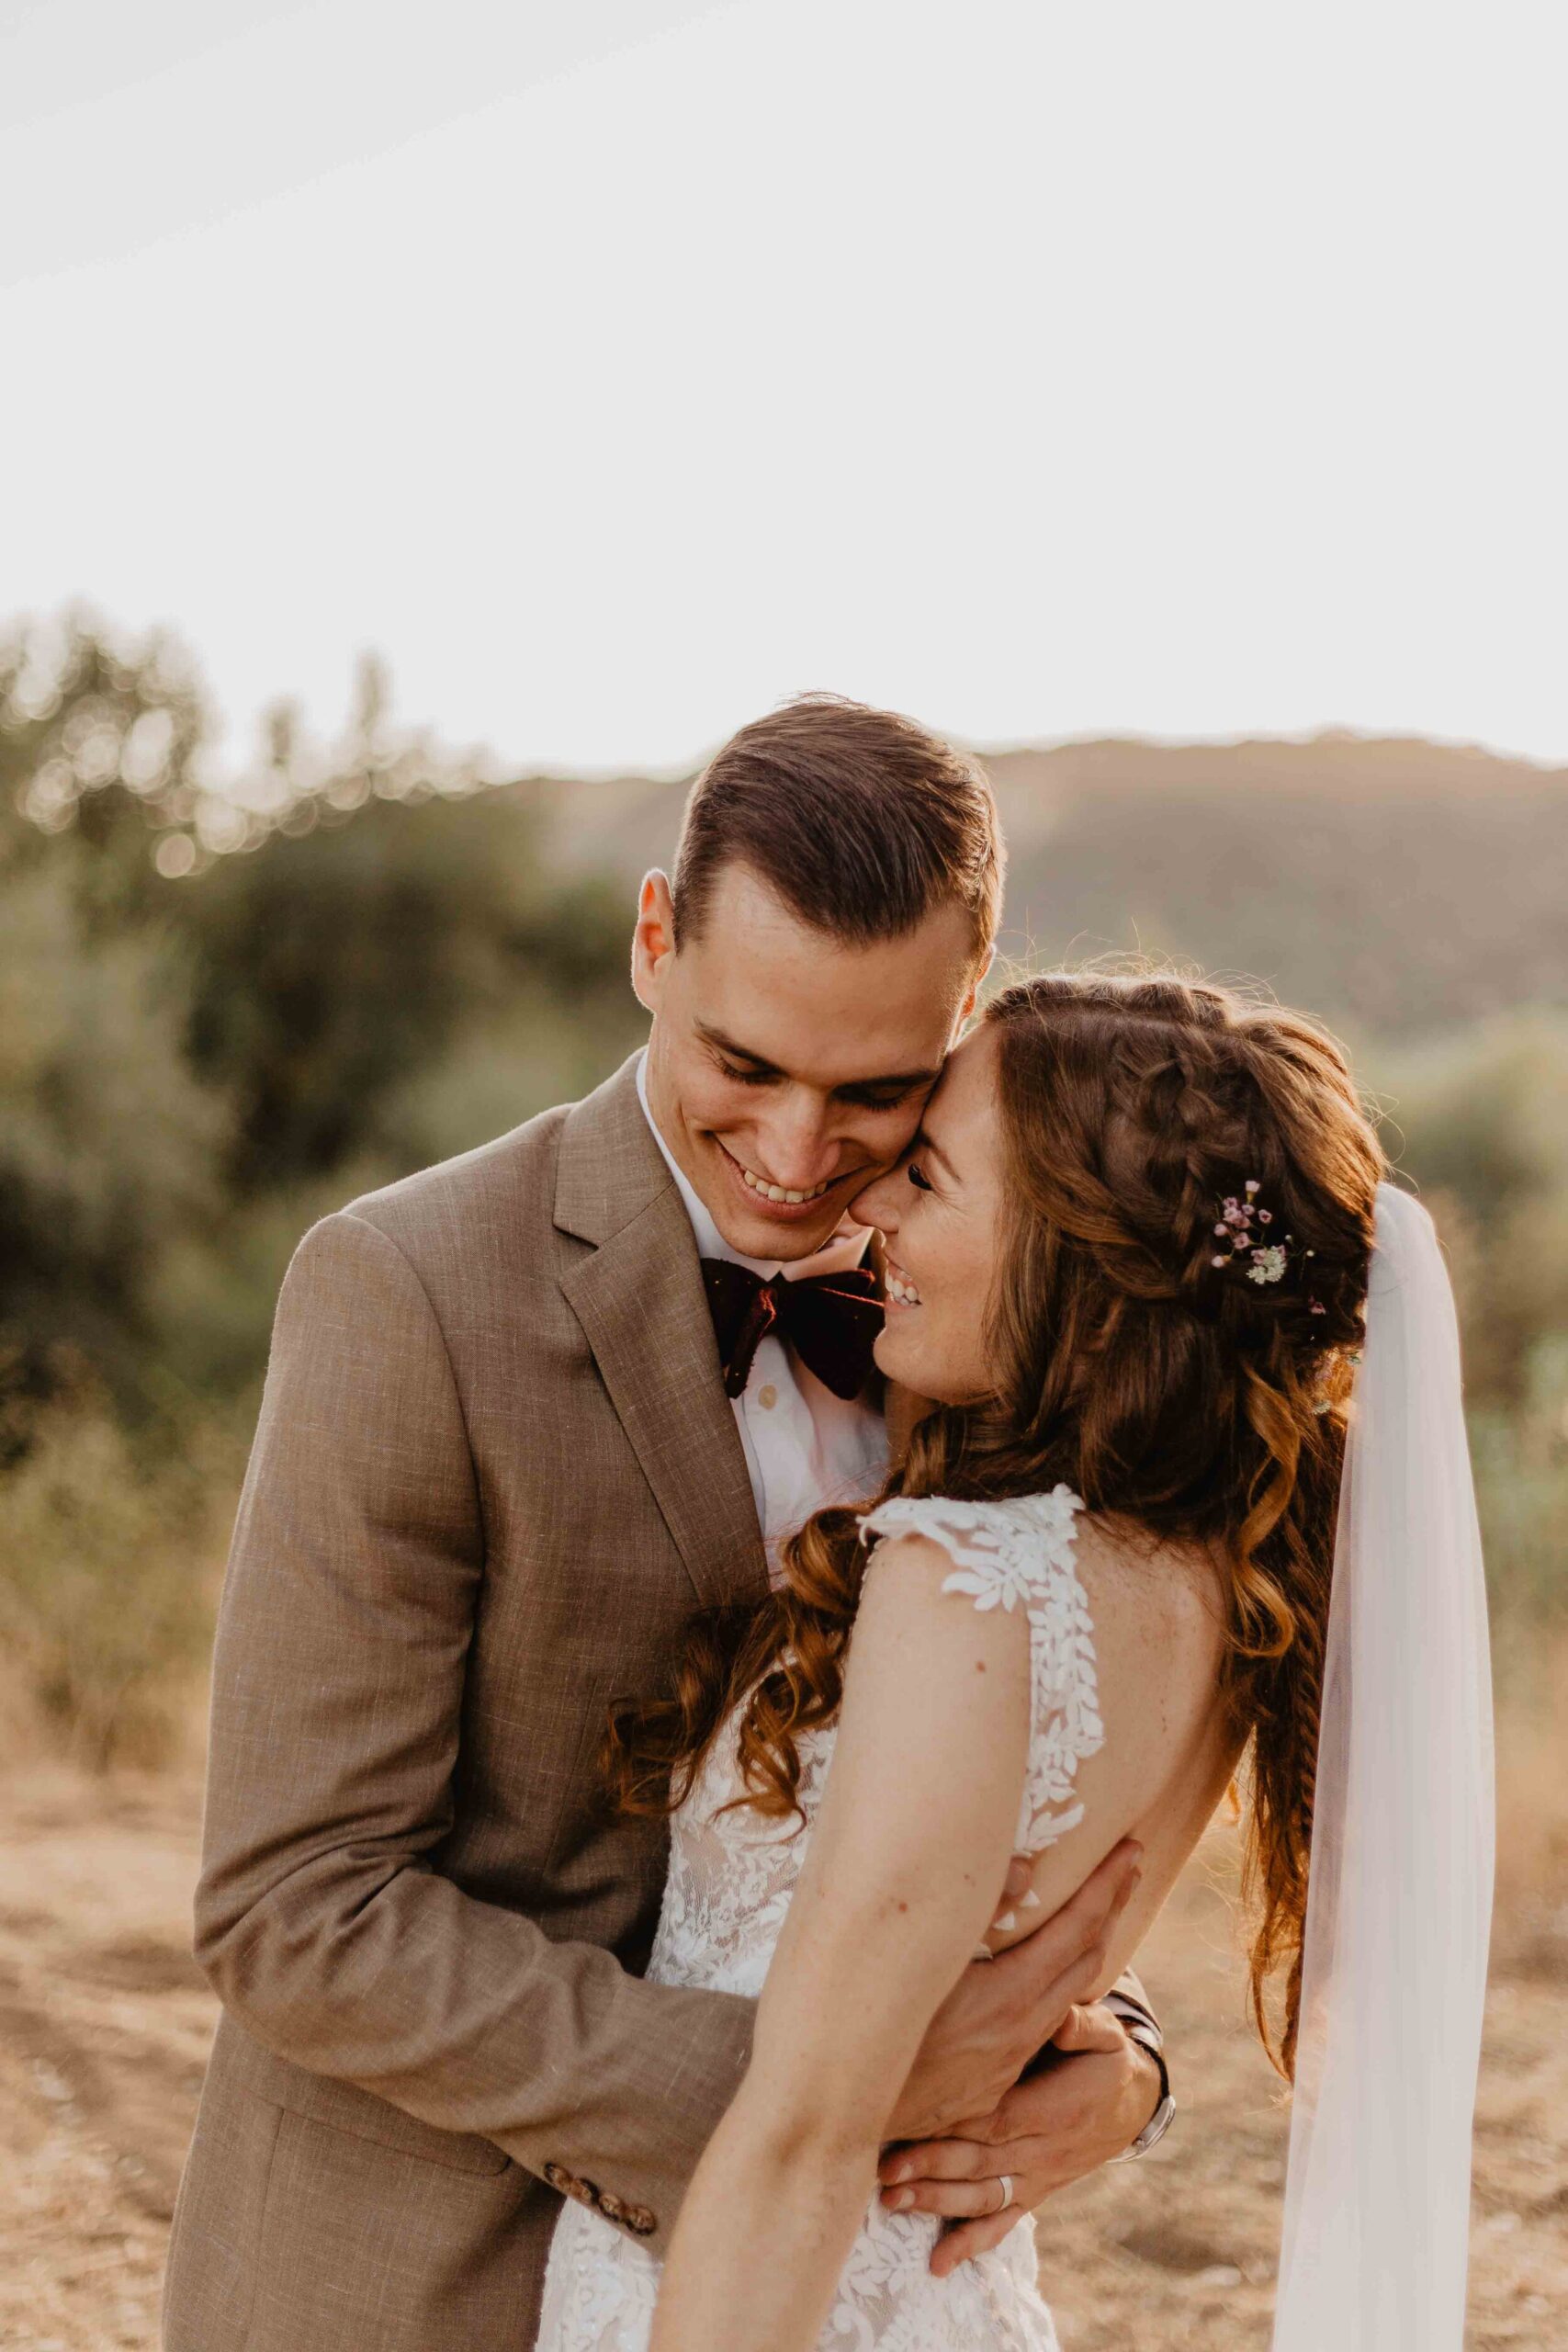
211, 1004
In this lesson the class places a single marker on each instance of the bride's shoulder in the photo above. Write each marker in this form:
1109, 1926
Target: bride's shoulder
1107, 1545
1041, 1522
1004, 1552
1136, 1590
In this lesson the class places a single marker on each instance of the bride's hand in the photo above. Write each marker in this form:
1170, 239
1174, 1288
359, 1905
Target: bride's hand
1002, 2012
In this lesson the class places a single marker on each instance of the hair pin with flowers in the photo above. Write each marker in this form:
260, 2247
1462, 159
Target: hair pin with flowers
1244, 1228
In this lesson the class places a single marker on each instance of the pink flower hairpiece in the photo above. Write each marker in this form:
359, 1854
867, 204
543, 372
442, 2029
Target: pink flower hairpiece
1244, 1228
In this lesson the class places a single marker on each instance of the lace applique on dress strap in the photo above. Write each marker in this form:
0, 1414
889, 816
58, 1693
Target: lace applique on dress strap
1005, 1554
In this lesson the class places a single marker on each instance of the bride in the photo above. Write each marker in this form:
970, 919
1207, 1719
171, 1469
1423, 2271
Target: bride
1134, 1257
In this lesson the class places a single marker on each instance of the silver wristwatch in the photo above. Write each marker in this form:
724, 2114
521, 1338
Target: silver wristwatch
1148, 2037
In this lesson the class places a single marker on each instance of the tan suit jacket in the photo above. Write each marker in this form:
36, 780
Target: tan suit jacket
495, 1471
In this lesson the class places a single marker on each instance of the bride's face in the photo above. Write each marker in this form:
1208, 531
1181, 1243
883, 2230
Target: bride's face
940, 1213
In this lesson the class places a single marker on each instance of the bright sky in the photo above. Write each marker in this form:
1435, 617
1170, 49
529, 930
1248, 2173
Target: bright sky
617, 368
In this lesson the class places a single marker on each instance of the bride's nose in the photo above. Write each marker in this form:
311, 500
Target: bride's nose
877, 1204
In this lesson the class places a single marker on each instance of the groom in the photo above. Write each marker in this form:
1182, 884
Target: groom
504, 1450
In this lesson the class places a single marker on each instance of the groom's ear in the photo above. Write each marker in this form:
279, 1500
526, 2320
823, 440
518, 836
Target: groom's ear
653, 941
966, 1011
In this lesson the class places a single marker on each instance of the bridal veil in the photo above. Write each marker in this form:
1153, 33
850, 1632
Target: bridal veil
1377, 2199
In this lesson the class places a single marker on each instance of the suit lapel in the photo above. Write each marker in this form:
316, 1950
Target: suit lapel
638, 1298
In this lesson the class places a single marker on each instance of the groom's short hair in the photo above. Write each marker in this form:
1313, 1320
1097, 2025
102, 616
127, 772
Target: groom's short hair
862, 822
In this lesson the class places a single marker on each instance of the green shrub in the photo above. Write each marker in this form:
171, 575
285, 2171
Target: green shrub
1521, 1455
1480, 1123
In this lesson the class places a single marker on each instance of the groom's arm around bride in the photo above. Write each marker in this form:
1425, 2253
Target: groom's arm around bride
442, 1566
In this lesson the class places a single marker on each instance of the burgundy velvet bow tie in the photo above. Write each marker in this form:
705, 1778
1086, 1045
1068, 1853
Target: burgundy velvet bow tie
831, 1321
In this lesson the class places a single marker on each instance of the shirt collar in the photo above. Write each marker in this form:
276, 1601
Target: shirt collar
842, 1249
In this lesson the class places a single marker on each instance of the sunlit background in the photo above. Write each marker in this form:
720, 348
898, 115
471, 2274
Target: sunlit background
427, 432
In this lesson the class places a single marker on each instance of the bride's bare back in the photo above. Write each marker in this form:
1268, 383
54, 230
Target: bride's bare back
1169, 1751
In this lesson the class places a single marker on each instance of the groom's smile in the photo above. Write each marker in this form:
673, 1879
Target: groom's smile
782, 1201
764, 1189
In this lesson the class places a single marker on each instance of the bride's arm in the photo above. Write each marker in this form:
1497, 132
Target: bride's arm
907, 1861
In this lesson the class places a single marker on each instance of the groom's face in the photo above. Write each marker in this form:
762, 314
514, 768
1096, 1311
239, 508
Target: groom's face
787, 1069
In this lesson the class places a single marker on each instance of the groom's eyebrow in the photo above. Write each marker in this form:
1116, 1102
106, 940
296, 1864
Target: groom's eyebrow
906, 1079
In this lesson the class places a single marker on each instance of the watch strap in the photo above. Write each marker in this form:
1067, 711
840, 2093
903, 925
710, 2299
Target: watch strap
1134, 2012
1148, 2037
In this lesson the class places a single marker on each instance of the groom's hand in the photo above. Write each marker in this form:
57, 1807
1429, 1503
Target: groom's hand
1002, 2012
1086, 2102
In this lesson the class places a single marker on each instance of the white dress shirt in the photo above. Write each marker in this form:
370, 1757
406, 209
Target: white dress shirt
804, 1447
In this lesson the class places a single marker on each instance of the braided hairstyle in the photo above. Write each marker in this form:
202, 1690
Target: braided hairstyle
1159, 1384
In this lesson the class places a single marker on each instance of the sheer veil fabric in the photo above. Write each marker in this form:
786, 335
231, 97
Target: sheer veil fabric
1374, 2249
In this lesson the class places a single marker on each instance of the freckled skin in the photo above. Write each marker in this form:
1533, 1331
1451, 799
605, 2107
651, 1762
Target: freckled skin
940, 1215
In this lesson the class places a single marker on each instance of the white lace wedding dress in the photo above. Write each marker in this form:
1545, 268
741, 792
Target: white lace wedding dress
731, 1876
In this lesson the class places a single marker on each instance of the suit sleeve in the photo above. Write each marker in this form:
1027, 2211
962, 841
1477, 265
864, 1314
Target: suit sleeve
321, 1921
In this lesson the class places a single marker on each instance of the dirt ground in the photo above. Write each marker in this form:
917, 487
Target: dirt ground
104, 2025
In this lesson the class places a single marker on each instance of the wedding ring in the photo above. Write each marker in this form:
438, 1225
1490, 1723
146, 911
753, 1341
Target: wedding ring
1005, 2185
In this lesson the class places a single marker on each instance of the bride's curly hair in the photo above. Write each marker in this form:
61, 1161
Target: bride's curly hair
1159, 1385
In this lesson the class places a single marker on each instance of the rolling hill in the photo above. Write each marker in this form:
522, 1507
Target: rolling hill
1394, 885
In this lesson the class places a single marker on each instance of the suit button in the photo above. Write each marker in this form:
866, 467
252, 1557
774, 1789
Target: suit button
584, 2190
639, 2219
613, 2207
558, 2177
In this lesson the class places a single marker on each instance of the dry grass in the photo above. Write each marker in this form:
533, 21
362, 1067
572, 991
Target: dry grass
104, 2025
109, 1555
